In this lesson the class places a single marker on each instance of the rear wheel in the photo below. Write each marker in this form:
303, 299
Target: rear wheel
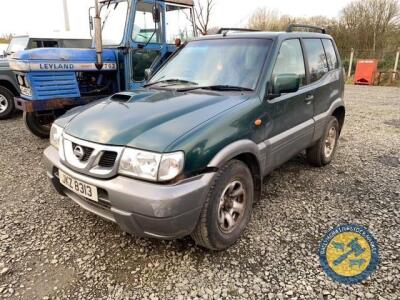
227, 209
39, 123
323, 152
7, 105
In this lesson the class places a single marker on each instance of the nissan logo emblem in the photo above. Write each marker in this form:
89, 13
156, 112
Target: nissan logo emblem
79, 152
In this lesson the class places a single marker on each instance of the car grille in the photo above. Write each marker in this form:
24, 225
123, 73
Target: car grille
98, 160
87, 151
107, 160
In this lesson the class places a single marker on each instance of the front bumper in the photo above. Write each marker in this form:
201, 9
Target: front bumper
138, 207
51, 104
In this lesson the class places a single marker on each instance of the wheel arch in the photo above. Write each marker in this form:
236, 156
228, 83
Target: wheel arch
247, 152
340, 113
9, 86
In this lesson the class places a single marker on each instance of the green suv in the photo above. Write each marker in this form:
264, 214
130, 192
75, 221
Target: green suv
186, 154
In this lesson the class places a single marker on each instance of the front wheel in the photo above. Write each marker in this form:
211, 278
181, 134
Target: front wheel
7, 106
39, 123
227, 209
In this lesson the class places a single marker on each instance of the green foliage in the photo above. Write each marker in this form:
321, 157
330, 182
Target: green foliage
371, 27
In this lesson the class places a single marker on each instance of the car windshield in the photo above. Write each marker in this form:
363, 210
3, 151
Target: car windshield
18, 44
113, 17
222, 62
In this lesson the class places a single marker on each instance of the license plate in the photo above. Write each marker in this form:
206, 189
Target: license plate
79, 187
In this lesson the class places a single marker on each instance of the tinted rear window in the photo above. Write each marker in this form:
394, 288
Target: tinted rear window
333, 61
316, 58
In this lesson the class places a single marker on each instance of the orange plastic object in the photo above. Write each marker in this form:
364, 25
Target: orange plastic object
365, 71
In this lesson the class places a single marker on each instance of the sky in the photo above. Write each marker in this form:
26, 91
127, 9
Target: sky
36, 16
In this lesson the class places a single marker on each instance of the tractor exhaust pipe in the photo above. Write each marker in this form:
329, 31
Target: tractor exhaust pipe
98, 37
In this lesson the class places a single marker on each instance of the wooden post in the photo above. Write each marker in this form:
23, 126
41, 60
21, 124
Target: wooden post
396, 63
351, 62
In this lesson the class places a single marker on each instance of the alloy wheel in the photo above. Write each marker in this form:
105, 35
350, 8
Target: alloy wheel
3, 103
232, 206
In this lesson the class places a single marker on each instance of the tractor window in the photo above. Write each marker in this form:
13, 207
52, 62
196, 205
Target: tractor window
179, 24
144, 28
142, 60
113, 17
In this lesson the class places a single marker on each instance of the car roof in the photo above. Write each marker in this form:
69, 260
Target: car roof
265, 35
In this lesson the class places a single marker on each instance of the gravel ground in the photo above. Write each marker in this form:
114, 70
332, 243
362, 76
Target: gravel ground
52, 249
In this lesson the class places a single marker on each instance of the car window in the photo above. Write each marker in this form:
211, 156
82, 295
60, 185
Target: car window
291, 61
333, 61
316, 58
235, 62
44, 44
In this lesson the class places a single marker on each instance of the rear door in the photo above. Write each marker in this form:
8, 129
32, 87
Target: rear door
292, 125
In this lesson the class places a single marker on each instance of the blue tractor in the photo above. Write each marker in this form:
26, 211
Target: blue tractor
130, 37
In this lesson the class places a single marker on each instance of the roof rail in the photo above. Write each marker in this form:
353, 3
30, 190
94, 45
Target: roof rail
292, 26
223, 30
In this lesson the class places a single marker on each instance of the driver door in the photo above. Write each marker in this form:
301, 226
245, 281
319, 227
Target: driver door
153, 43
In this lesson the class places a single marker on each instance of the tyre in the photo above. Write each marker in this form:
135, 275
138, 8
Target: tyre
227, 209
7, 106
39, 123
323, 152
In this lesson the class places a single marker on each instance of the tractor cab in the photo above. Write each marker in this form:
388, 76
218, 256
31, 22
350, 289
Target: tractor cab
129, 36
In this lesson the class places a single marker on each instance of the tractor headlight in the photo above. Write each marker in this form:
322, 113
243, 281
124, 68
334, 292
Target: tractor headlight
55, 135
151, 166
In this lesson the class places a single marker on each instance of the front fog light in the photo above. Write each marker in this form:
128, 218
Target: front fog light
171, 166
55, 135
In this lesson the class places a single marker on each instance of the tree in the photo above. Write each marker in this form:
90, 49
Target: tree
203, 10
371, 27
370, 22
6, 38
269, 20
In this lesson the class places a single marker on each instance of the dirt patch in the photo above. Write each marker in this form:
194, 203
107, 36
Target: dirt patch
390, 161
394, 123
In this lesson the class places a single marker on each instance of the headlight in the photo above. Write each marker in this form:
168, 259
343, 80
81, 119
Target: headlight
55, 135
170, 166
21, 80
151, 166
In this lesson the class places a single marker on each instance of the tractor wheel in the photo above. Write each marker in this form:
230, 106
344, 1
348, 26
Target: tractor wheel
39, 123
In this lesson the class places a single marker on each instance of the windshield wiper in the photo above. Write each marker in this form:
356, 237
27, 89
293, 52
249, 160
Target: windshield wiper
178, 81
219, 87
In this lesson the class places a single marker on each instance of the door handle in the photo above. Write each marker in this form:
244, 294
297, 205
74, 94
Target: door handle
309, 98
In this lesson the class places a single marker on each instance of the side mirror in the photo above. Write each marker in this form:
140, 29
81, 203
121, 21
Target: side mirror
156, 14
178, 42
147, 74
285, 83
